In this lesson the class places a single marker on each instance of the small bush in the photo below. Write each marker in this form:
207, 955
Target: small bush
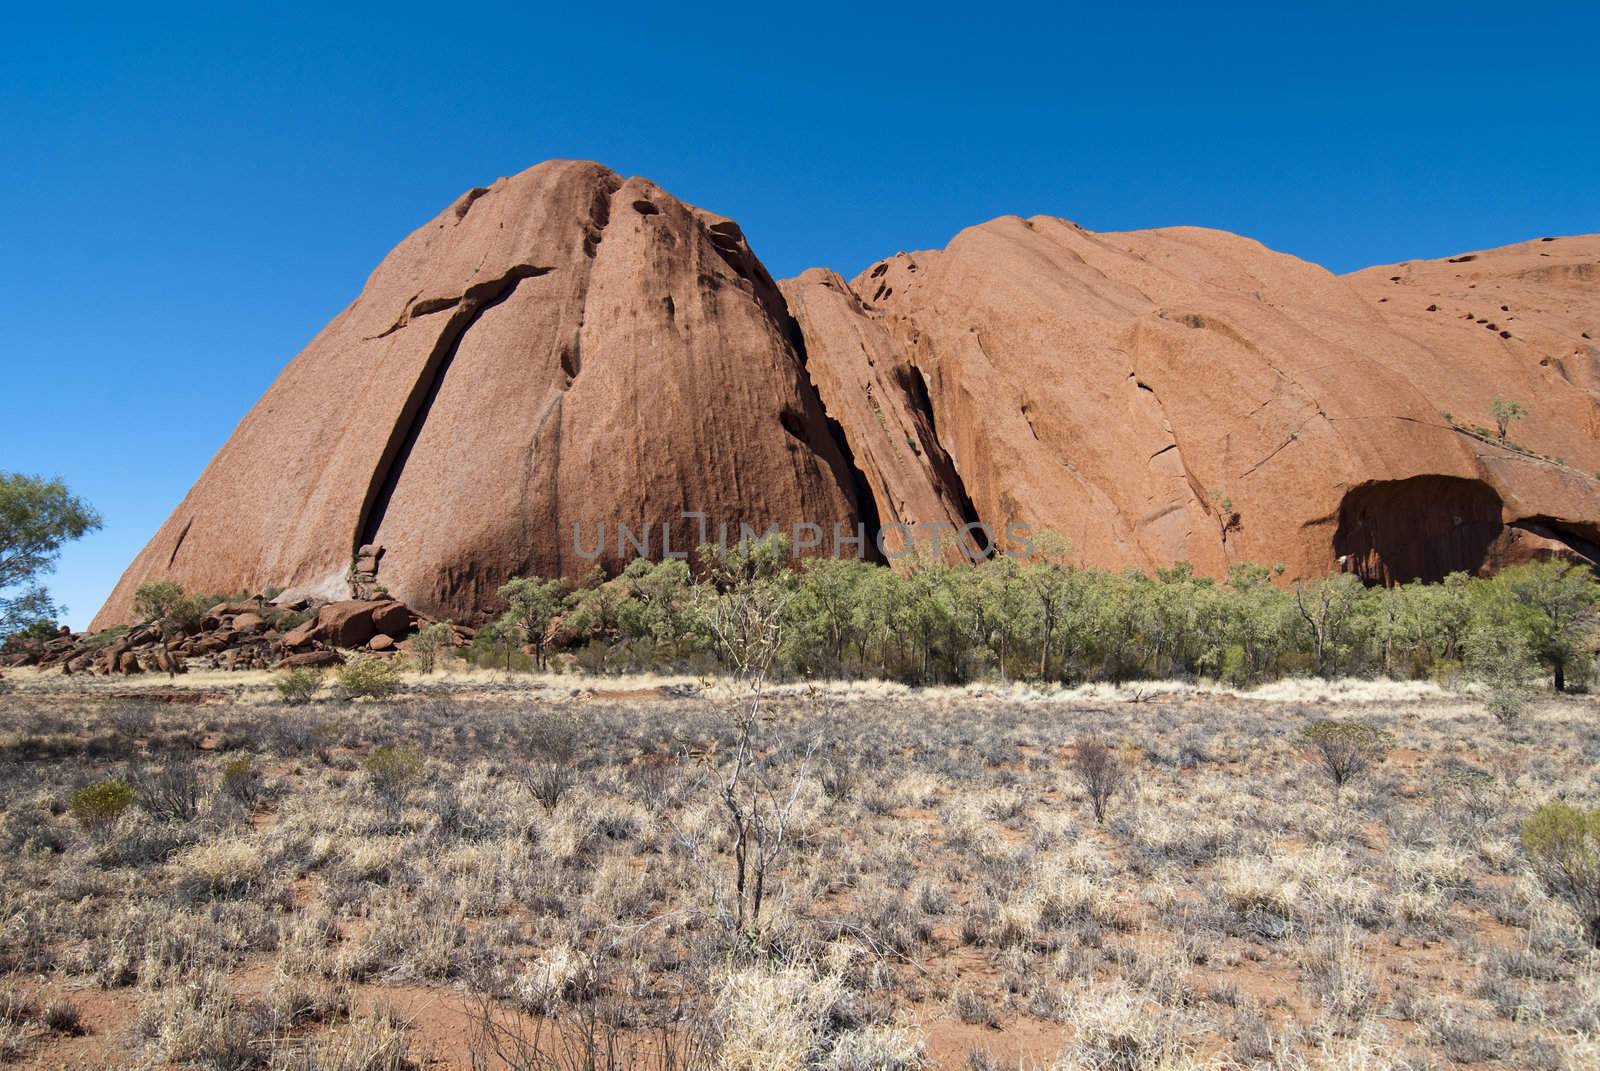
1563, 844
369, 678
393, 770
1099, 772
1347, 749
241, 780
299, 685
429, 644
220, 869
98, 805
63, 1017
552, 742
171, 793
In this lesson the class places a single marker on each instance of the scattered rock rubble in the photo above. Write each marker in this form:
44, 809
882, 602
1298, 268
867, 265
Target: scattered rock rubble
250, 634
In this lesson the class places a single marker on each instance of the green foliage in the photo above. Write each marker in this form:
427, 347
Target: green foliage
1347, 749
392, 772
1505, 413
299, 685
165, 605
745, 599
1500, 657
929, 622
1563, 844
39, 630
157, 599
532, 605
369, 678
1556, 605
427, 646
495, 645
37, 518
98, 805
241, 780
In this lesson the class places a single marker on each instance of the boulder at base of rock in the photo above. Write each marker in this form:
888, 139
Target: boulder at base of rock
302, 635
393, 619
310, 659
250, 622
380, 642
128, 663
215, 615
346, 624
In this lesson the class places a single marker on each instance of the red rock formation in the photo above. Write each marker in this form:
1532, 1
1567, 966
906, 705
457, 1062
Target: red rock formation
874, 392
563, 347
567, 347
1184, 394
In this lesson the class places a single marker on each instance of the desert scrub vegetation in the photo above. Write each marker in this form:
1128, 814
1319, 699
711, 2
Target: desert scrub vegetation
370, 677
1045, 620
300, 685
465, 872
97, 806
1347, 749
1563, 843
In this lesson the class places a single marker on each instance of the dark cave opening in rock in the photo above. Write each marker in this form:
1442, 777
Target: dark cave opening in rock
1422, 528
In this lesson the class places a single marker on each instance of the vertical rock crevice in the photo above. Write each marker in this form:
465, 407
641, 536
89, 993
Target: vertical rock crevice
851, 479
473, 303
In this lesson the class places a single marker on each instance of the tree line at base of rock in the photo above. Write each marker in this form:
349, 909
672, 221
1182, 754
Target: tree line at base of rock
1045, 620
1041, 620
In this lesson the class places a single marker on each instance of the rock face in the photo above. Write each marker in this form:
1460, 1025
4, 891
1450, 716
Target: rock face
562, 348
1185, 394
569, 349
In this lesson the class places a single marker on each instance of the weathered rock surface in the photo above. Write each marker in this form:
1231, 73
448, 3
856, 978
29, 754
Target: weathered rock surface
392, 619
345, 624
310, 659
564, 347
870, 387
1185, 394
569, 348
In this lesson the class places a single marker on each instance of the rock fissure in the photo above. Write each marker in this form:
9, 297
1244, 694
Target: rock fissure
473, 303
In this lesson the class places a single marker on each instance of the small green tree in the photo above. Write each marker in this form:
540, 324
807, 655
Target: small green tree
427, 645
1500, 658
1328, 609
497, 640
826, 605
163, 605
1563, 844
1561, 601
37, 518
1049, 579
531, 606
1505, 414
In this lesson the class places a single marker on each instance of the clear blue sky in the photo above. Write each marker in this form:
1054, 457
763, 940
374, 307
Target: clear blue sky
189, 193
